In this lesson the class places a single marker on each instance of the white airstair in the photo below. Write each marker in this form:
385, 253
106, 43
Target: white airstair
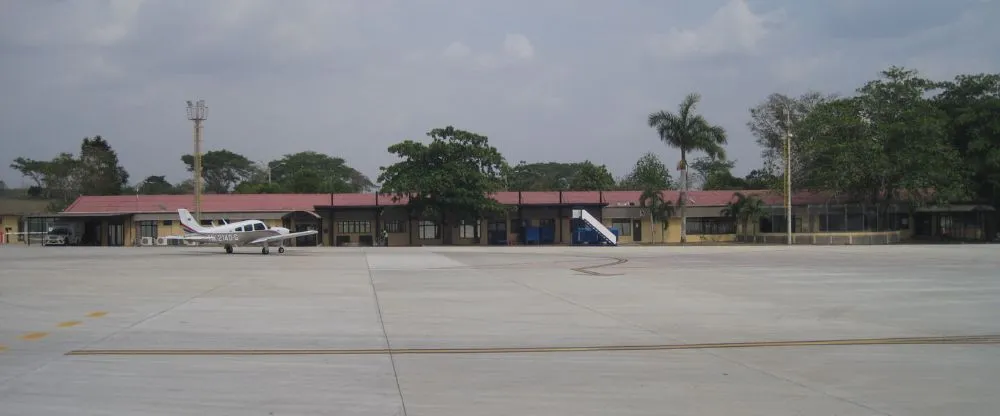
608, 236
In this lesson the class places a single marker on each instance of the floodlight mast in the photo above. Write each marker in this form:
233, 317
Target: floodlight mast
197, 112
788, 176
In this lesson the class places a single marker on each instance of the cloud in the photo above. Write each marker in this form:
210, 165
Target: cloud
732, 29
351, 77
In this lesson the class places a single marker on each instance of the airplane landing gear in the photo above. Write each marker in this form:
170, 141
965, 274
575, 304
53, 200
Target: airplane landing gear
264, 250
281, 250
229, 249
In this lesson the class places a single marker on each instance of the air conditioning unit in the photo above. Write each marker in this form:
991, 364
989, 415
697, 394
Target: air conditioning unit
146, 241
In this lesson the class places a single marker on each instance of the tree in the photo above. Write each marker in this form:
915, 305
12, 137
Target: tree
688, 132
58, 178
547, 176
887, 144
716, 174
221, 170
746, 209
761, 179
971, 103
592, 177
100, 172
659, 210
450, 178
156, 185
649, 172
314, 172
769, 122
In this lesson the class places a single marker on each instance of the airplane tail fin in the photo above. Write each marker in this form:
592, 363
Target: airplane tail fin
188, 222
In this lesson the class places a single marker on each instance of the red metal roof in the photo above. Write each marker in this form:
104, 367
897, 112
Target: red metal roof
308, 202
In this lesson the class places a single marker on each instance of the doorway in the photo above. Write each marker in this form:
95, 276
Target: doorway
636, 230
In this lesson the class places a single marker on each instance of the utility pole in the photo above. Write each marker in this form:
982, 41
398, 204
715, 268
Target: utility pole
197, 112
788, 175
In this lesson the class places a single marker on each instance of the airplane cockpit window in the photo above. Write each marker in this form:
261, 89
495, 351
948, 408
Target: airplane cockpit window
259, 226
239, 229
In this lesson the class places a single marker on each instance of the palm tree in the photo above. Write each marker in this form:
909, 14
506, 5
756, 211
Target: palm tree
752, 210
745, 209
650, 199
662, 214
688, 132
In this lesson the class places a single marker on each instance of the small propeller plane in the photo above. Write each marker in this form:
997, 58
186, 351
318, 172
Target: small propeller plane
241, 233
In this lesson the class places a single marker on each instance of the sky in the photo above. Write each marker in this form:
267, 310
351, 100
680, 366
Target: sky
545, 80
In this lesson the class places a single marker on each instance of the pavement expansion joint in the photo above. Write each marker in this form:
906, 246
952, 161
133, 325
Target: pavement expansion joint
954, 340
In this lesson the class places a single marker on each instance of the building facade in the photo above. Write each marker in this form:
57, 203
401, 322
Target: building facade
531, 218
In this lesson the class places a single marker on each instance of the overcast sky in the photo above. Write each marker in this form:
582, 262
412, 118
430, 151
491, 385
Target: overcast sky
546, 80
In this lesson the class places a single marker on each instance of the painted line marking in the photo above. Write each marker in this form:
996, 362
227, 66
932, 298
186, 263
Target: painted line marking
97, 314
986, 339
31, 336
3, 348
68, 324
587, 269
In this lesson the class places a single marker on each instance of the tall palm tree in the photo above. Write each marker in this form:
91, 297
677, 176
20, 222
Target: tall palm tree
688, 132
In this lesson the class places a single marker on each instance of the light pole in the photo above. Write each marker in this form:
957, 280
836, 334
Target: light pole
788, 176
197, 112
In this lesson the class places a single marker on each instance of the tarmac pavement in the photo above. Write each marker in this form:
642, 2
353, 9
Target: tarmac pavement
750, 330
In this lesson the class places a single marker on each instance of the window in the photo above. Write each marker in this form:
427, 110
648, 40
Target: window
428, 230
624, 226
239, 229
148, 229
711, 226
396, 226
259, 226
354, 227
168, 222
468, 229
207, 223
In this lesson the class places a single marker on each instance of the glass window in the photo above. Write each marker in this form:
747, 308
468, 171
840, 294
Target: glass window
259, 226
428, 230
354, 227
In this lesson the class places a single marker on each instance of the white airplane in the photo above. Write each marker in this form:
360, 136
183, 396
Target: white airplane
242, 233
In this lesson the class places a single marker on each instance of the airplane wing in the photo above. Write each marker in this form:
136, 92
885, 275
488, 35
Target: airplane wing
279, 237
194, 238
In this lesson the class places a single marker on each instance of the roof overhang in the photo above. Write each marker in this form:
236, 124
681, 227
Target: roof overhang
956, 208
76, 214
311, 213
245, 215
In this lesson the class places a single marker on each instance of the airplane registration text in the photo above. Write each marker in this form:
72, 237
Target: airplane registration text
226, 237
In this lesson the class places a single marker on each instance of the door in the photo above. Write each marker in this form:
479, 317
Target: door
636, 230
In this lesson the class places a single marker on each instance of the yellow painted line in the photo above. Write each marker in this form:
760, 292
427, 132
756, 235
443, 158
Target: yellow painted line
3, 348
988, 339
97, 314
31, 336
68, 324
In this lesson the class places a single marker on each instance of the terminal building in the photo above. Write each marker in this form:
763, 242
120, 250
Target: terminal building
533, 218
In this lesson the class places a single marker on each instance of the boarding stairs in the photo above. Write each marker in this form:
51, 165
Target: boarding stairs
606, 234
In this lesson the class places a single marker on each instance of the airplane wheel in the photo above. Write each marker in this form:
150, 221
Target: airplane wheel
229, 249
281, 250
264, 250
